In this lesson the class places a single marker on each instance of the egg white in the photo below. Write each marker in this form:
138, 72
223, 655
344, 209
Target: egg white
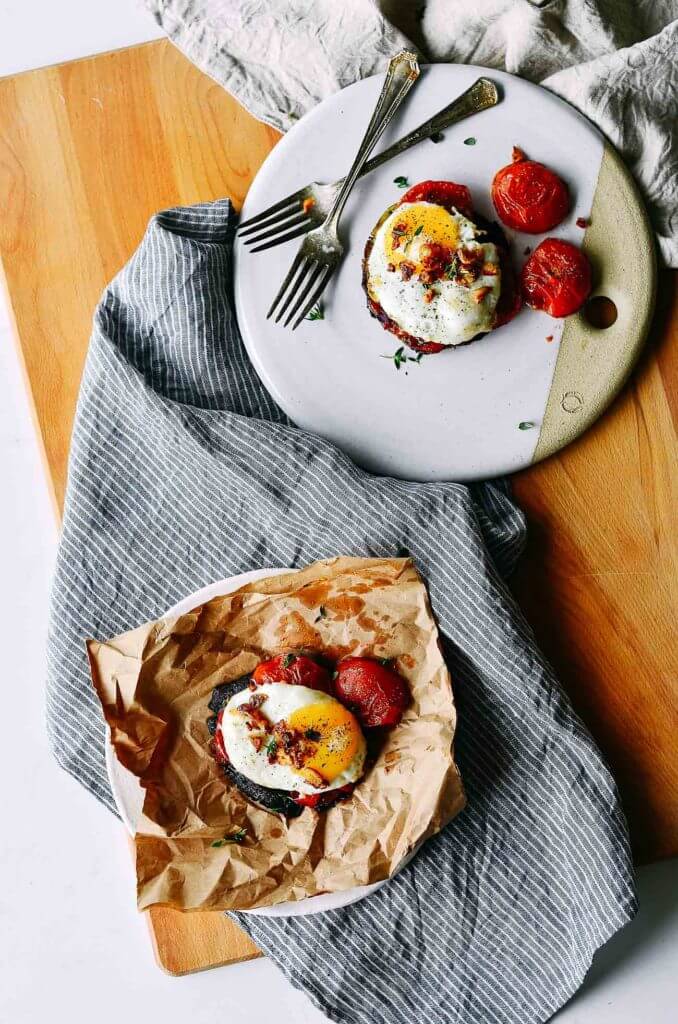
282, 699
453, 316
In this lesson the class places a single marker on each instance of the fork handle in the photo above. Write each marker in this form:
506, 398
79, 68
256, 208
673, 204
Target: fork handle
403, 71
479, 96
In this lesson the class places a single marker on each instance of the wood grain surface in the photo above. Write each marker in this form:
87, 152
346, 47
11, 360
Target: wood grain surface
89, 150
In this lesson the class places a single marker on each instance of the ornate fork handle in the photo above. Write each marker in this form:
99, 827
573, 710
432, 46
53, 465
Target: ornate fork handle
403, 71
479, 96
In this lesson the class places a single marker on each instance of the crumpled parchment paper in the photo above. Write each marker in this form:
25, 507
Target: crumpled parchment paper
155, 682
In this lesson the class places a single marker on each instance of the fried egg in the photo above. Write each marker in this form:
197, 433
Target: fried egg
448, 305
333, 744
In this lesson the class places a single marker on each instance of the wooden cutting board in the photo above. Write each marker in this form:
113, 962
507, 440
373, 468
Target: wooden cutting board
88, 151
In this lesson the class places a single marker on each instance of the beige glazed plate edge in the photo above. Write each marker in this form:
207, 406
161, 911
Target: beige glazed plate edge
594, 363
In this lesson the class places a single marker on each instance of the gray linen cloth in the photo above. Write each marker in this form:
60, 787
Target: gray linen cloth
183, 471
615, 60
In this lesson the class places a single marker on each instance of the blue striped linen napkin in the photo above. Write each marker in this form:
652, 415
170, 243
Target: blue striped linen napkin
183, 471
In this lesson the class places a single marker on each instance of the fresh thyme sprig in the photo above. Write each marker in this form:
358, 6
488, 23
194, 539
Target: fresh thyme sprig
399, 357
237, 836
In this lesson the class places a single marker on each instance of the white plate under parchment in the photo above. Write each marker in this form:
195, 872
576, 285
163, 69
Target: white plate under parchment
129, 795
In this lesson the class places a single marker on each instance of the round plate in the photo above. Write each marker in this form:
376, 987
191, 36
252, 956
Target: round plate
129, 795
455, 415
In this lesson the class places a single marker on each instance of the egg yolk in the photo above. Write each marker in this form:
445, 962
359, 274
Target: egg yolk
336, 732
414, 225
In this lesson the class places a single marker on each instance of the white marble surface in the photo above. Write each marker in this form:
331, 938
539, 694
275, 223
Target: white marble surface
69, 934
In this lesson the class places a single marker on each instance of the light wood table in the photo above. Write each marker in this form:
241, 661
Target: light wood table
89, 151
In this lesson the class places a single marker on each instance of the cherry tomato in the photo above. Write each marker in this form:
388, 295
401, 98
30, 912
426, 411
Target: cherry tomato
443, 193
298, 669
556, 278
528, 196
374, 692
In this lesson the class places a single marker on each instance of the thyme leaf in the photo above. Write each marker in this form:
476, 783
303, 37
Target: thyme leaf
399, 357
237, 836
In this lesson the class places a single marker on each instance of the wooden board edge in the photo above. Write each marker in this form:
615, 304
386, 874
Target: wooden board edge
32, 408
89, 56
163, 951
167, 923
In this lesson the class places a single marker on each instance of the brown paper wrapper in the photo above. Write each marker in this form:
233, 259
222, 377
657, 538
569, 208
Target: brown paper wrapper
154, 684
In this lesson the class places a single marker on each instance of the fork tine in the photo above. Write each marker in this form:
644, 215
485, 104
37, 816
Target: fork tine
296, 263
295, 287
279, 239
266, 231
287, 211
319, 289
274, 229
295, 197
309, 284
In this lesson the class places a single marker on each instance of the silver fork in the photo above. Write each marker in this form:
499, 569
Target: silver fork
303, 210
321, 251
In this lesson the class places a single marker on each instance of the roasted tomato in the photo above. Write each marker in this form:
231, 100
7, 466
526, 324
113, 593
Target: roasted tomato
307, 799
218, 748
556, 278
427, 348
443, 193
322, 800
528, 196
374, 692
298, 669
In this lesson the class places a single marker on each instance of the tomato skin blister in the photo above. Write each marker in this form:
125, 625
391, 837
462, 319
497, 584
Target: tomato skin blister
447, 194
296, 669
556, 278
376, 693
528, 196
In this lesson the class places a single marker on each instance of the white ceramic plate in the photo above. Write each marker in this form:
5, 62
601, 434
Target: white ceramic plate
456, 414
129, 795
